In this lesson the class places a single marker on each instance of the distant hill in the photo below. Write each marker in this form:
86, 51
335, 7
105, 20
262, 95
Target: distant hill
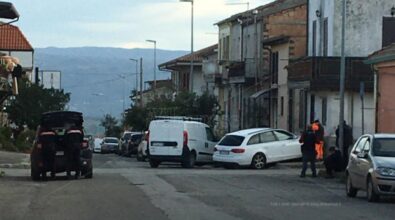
94, 75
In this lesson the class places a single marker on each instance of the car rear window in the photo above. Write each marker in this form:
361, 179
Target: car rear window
112, 141
232, 140
136, 137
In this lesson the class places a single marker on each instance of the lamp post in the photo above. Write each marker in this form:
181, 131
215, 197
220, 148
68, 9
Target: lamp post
191, 72
342, 78
154, 42
137, 74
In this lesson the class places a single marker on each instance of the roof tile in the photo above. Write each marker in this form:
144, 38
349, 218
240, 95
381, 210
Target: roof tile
11, 38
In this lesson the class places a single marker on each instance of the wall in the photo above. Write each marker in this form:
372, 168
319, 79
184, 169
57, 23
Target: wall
363, 25
386, 104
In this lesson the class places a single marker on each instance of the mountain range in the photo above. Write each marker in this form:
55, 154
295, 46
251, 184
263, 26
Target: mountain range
100, 79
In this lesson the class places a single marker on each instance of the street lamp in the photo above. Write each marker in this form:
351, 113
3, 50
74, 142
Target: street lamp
137, 74
154, 42
191, 72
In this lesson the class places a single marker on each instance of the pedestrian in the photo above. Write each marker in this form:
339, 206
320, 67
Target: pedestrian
308, 141
347, 140
319, 132
333, 162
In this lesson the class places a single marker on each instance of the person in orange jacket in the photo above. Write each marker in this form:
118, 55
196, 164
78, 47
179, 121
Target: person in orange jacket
319, 131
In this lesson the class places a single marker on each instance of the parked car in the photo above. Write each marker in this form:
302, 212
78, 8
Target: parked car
109, 145
134, 141
179, 139
142, 148
54, 146
256, 148
371, 166
97, 148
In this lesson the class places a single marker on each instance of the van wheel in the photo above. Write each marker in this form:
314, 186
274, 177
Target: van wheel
351, 191
258, 161
371, 194
154, 163
189, 161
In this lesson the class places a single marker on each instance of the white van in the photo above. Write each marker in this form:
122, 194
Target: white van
180, 139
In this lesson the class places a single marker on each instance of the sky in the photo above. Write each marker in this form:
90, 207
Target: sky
124, 23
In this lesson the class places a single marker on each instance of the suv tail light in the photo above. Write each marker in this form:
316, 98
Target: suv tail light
238, 150
185, 142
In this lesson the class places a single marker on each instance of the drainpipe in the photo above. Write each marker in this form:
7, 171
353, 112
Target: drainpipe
270, 84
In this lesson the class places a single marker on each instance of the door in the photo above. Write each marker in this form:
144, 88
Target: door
290, 147
270, 146
353, 166
364, 164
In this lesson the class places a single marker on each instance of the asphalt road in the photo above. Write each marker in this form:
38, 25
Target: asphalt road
123, 188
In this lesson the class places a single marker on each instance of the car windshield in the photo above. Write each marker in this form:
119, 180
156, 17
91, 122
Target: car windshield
384, 147
111, 141
231, 140
136, 137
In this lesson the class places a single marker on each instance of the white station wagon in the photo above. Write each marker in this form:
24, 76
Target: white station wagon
256, 148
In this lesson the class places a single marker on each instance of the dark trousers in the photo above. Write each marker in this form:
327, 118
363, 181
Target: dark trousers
311, 159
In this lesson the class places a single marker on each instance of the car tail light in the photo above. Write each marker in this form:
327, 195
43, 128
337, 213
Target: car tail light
238, 150
84, 144
185, 142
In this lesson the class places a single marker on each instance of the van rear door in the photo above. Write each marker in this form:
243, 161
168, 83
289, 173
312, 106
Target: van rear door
166, 137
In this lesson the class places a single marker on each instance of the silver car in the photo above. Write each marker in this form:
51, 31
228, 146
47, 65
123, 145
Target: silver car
371, 167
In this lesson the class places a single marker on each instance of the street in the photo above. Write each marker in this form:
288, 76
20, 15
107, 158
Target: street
123, 188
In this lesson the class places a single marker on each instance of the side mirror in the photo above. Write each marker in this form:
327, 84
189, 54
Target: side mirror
362, 155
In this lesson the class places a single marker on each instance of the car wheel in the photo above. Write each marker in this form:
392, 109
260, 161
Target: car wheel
154, 163
371, 194
34, 173
351, 191
258, 161
189, 161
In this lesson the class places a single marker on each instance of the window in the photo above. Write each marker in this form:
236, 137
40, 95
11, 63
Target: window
324, 110
232, 140
274, 67
267, 137
366, 146
282, 106
384, 147
325, 38
283, 135
314, 38
210, 135
360, 145
254, 140
388, 31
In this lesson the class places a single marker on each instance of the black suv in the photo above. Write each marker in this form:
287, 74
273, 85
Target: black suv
59, 146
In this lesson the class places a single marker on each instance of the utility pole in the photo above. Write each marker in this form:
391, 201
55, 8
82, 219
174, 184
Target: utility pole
141, 82
342, 79
191, 72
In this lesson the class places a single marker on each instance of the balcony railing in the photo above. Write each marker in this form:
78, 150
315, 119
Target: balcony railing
324, 72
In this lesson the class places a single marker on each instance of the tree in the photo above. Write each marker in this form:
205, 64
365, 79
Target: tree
110, 125
32, 101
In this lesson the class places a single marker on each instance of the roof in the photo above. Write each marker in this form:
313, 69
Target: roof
276, 40
11, 38
265, 10
8, 11
248, 131
383, 55
196, 56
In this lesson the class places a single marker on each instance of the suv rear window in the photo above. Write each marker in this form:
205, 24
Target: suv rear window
232, 140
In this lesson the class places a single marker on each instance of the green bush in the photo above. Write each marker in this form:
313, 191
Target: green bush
5, 140
24, 141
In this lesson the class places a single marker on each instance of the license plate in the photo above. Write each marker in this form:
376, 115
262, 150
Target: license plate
224, 152
59, 153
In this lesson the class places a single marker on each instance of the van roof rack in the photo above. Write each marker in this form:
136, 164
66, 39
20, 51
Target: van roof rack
181, 118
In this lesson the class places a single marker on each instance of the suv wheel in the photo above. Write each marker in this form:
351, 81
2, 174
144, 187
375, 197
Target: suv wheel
154, 163
258, 161
189, 161
351, 191
371, 194
34, 173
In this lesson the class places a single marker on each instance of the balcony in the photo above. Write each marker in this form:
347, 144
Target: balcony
324, 73
211, 73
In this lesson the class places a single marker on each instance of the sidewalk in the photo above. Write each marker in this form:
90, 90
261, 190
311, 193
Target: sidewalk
14, 160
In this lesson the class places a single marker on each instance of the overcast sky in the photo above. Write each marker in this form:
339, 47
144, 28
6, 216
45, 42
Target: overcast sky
123, 23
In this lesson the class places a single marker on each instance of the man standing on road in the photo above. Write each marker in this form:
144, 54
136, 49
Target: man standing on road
308, 141
319, 132
347, 140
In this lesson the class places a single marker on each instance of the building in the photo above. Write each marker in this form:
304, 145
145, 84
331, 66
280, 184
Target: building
180, 70
164, 90
314, 80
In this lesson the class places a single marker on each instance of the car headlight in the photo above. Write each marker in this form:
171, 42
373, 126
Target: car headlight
386, 171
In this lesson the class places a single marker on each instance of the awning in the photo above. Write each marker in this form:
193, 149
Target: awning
8, 11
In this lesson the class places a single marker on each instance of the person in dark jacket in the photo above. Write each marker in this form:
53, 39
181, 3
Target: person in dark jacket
333, 162
347, 140
308, 141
